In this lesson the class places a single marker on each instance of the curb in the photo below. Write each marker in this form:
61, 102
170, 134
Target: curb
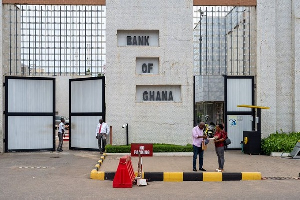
95, 173
178, 176
280, 154
185, 176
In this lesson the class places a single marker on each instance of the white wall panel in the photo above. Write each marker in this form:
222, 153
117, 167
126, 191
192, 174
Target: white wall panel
83, 133
30, 95
86, 96
239, 91
235, 132
30, 132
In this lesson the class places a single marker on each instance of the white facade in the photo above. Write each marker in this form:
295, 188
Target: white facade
2, 89
276, 79
277, 76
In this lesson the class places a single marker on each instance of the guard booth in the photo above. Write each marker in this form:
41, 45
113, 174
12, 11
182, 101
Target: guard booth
252, 139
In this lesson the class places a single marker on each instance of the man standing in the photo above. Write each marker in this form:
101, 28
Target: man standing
198, 136
102, 131
61, 132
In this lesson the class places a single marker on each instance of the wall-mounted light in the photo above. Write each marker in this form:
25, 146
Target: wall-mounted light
126, 125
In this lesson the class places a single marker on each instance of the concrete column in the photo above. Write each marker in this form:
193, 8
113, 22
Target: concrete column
277, 59
284, 67
2, 89
296, 64
150, 121
266, 63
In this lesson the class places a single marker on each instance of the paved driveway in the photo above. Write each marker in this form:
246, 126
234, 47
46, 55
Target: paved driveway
51, 175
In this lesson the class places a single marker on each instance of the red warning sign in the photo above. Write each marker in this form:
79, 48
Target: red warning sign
145, 149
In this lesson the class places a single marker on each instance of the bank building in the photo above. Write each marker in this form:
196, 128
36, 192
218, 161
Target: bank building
158, 67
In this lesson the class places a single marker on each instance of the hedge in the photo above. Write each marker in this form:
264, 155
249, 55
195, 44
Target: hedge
279, 142
156, 148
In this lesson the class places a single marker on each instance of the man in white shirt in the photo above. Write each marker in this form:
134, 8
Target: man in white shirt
61, 132
102, 132
198, 136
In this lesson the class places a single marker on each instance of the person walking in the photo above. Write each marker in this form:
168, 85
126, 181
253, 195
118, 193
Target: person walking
220, 136
198, 136
102, 132
61, 132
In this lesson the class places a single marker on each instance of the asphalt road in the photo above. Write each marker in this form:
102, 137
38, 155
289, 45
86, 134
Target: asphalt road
52, 175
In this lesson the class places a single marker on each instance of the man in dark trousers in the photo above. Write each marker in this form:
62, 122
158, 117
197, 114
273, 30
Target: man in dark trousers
61, 132
102, 132
198, 136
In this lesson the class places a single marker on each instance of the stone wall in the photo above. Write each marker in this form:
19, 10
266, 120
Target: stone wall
1, 81
153, 122
277, 69
296, 62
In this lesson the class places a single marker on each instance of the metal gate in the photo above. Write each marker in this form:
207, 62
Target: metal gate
29, 113
239, 90
87, 106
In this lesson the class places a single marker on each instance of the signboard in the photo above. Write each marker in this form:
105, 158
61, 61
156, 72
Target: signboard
232, 120
138, 38
158, 93
147, 66
145, 149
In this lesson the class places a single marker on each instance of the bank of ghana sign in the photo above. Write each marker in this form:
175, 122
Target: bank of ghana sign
146, 66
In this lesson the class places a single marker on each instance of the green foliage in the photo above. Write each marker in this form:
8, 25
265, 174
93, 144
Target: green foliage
172, 148
156, 148
117, 148
279, 142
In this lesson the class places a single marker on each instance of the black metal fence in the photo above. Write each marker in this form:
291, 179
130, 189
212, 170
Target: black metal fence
55, 40
224, 40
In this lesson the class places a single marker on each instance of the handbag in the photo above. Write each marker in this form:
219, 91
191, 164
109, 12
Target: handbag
204, 146
227, 141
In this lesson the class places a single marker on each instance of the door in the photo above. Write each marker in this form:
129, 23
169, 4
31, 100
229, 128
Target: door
239, 90
29, 114
87, 106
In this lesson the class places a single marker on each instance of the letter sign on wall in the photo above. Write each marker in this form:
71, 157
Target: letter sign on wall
147, 66
158, 93
138, 38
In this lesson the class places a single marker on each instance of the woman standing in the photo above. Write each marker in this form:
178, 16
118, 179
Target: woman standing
220, 136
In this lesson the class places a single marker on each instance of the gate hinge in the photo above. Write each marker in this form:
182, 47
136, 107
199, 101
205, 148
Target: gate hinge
4, 112
3, 84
